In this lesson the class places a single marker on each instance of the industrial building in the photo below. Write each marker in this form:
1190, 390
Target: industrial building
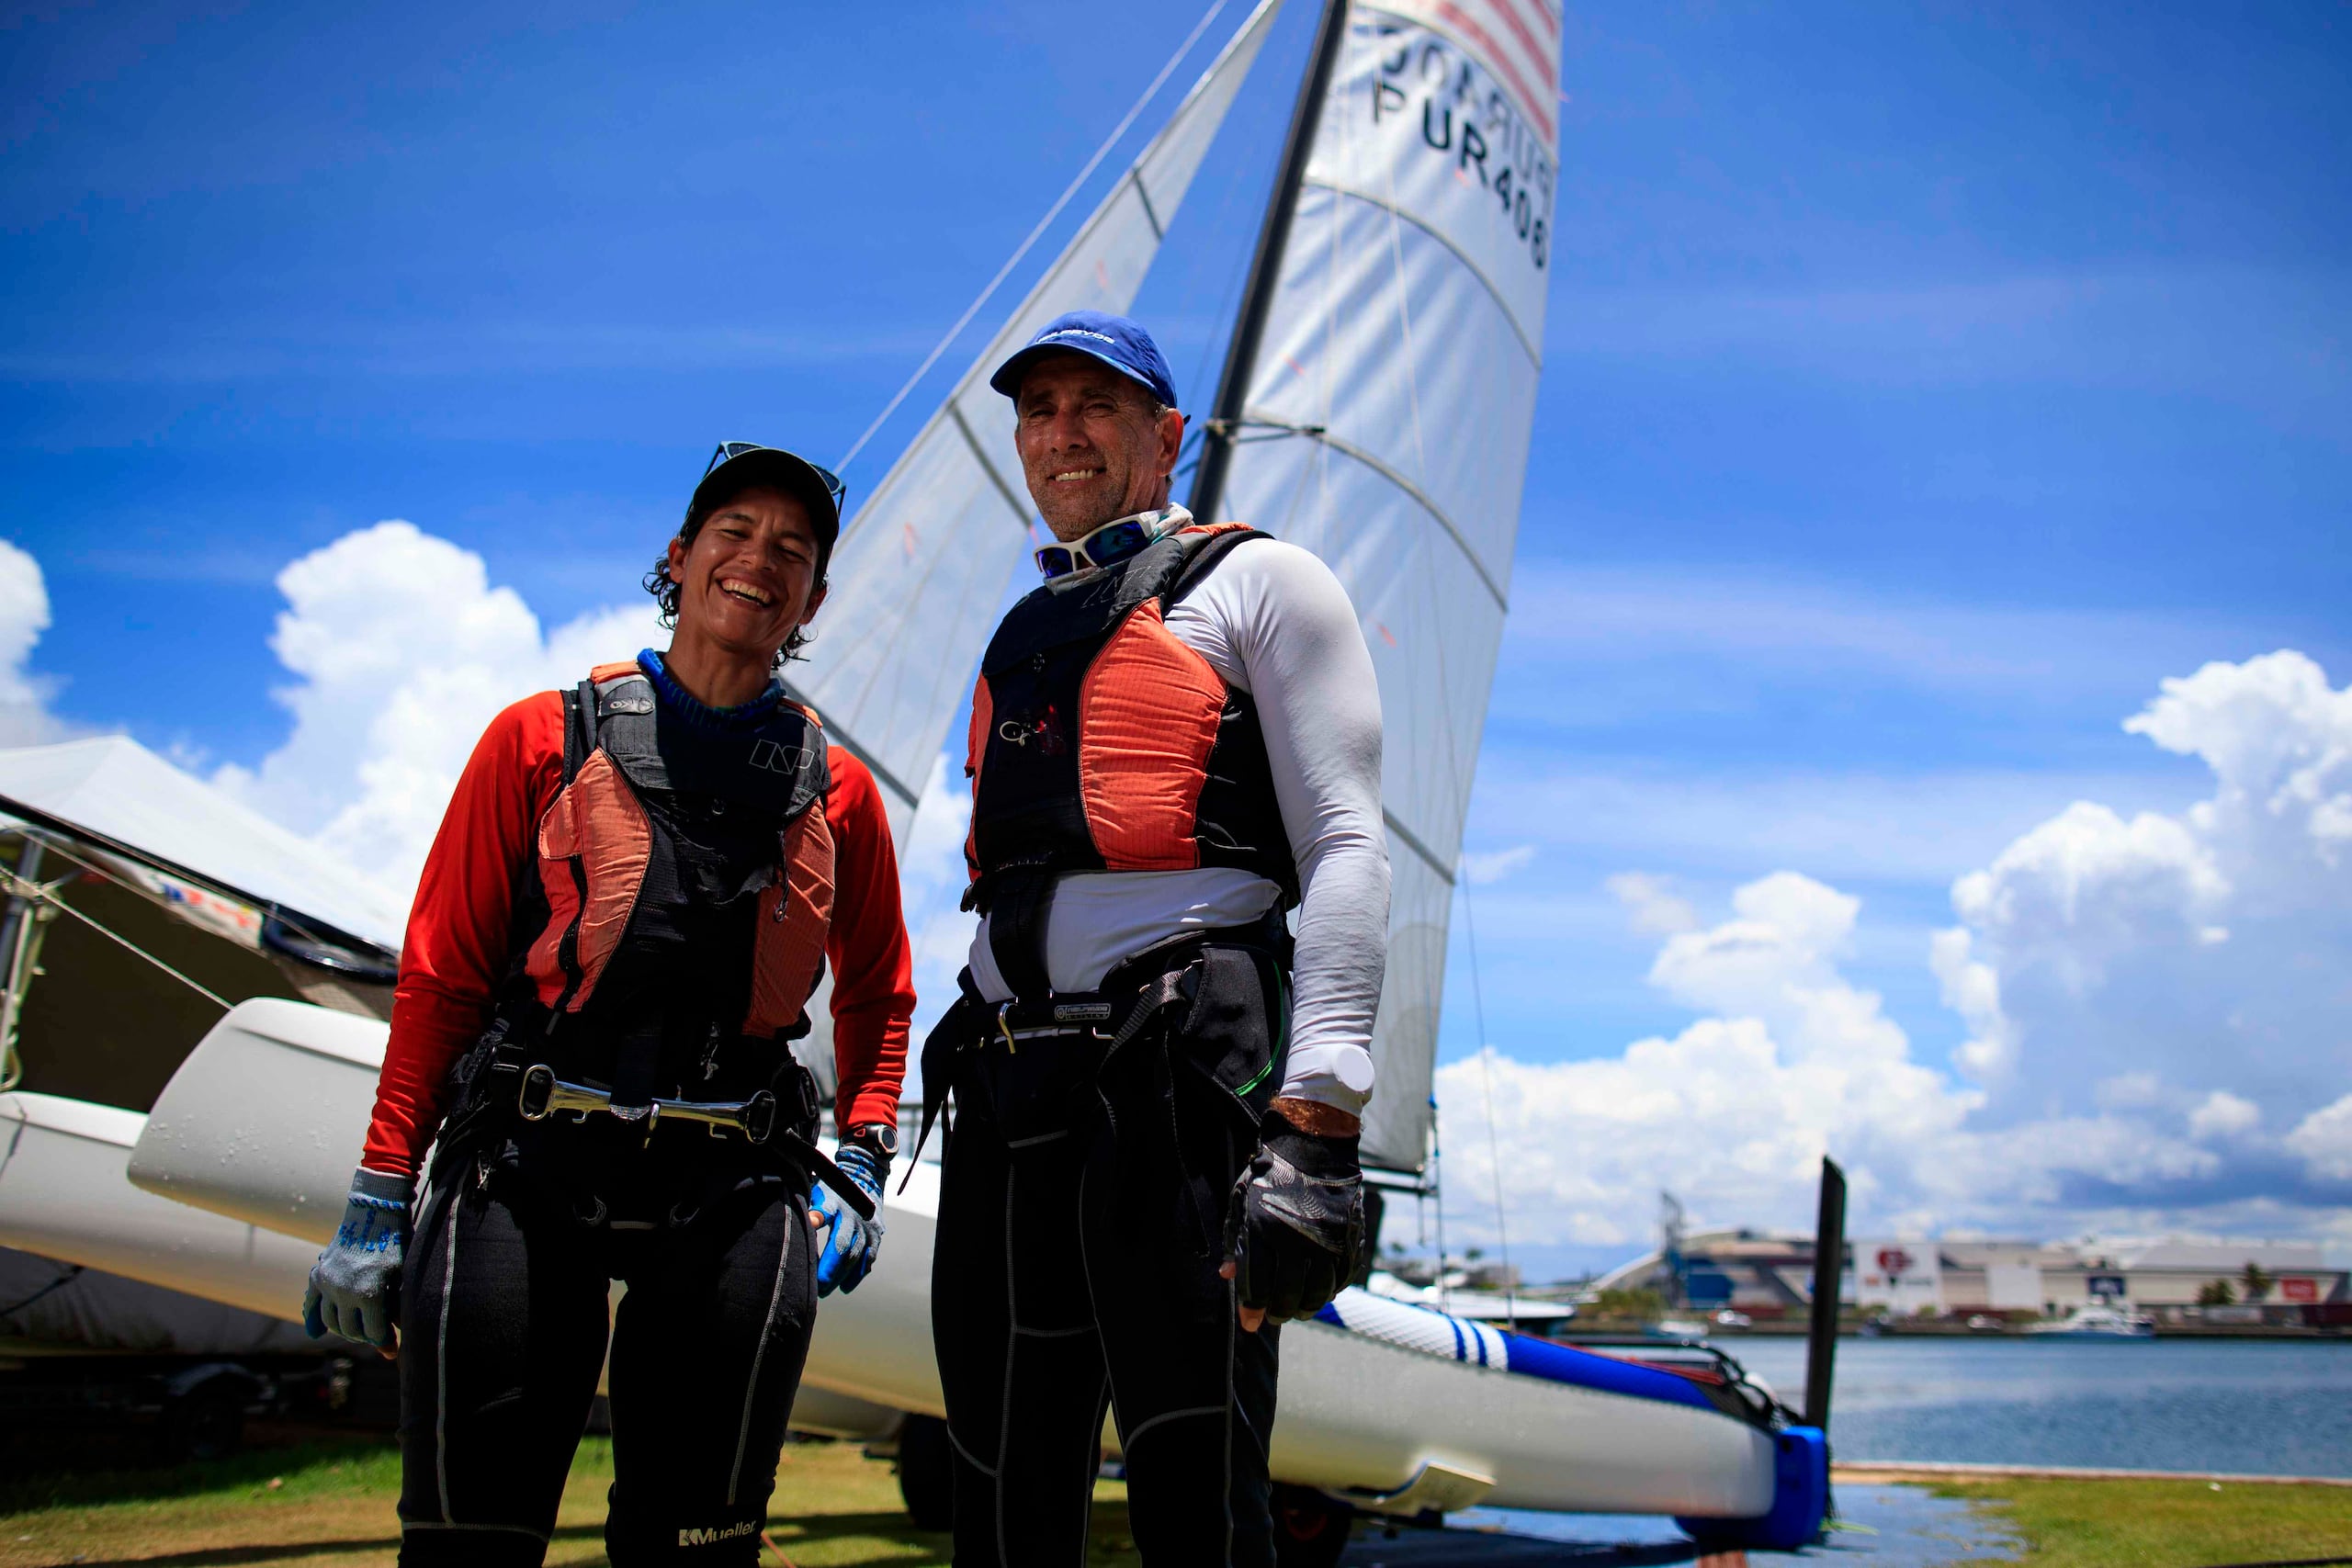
1770, 1275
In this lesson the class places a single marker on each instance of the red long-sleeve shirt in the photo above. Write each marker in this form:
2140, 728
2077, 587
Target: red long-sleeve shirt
461, 933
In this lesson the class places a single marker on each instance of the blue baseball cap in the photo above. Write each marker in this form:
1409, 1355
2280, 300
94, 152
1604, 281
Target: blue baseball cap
1118, 342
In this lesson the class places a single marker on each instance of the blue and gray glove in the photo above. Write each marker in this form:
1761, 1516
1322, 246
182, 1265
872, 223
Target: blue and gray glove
850, 1242
355, 1284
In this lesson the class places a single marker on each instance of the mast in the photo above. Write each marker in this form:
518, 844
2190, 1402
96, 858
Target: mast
1265, 268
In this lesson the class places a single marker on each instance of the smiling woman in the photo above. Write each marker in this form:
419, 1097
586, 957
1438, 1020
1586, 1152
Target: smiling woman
746, 571
625, 914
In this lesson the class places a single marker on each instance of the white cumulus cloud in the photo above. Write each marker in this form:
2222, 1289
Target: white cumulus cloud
1734, 1112
1651, 904
24, 718
1974, 990
2206, 948
2222, 1114
403, 652
2146, 997
2323, 1141
1494, 865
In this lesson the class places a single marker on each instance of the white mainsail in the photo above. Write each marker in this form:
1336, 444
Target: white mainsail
924, 566
1390, 411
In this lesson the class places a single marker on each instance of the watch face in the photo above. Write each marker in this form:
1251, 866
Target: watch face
881, 1135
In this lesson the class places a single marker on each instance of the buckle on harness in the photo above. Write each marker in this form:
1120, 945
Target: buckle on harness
542, 1094
1013, 1037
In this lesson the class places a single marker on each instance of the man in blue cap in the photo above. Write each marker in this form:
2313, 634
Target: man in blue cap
1175, 743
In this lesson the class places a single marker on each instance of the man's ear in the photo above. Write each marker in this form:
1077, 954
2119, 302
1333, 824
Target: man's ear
816, 603
1171, 439
676, 570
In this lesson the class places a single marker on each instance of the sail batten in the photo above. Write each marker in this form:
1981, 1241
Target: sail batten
1535, 353
987, 466
1151, 214
1412, 842
1420, 497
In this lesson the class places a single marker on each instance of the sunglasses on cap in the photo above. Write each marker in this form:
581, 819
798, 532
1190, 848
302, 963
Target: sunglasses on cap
729, 450
1107, 546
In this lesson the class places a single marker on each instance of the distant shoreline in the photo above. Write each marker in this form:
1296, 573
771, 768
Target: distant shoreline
1932, 1471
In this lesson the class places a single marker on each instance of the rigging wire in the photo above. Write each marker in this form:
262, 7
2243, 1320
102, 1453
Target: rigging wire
38, 893
1486, 1091
1034, 234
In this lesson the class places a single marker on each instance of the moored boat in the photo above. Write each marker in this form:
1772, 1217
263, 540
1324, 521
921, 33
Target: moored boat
2097, 1320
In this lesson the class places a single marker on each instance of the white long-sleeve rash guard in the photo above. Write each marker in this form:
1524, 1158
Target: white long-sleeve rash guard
1273, 621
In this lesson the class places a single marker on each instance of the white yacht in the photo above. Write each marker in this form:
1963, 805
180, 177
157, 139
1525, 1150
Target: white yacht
2097, 1320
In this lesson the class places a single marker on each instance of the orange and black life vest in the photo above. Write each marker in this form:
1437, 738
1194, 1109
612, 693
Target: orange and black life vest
686, 883
1100, 742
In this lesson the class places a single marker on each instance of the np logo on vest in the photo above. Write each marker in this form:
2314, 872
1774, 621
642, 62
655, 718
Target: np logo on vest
639, 813
1100, 742
777, 757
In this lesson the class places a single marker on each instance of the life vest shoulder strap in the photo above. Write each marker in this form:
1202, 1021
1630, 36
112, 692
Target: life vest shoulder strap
780, 766
1093, 605
1218, 541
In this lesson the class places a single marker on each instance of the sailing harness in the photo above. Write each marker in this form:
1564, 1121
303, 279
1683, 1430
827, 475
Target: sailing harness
1220, 999
671, 931
1101, 742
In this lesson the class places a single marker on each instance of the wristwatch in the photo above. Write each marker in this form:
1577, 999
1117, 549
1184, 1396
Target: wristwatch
877, 1138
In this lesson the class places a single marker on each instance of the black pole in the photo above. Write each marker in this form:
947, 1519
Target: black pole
1265, 269
1828, 1265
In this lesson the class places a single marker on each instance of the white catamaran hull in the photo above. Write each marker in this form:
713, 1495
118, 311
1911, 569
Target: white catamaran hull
62, 1194
260, 1123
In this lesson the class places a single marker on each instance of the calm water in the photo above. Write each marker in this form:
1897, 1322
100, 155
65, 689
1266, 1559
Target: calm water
2250, 1406
2265, 1407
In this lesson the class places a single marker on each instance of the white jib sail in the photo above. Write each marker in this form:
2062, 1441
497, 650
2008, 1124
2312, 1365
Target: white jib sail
922, 566
1392, 404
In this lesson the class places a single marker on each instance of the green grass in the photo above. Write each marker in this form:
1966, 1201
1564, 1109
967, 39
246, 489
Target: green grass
2164, 1524
314, 1470
330, 1505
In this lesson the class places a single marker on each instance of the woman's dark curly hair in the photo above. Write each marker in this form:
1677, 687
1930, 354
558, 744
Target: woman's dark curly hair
665, 591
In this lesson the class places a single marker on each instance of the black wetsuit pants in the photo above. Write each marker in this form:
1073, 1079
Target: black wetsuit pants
1076, 1270
505, 1323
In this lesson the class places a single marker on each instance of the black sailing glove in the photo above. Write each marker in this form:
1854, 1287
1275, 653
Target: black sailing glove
1296, 1228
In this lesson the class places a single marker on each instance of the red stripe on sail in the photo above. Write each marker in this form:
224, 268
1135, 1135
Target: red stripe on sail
1543, 16
1536, 53
1538, 105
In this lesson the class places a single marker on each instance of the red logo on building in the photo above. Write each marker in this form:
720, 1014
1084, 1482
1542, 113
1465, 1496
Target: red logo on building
1894, 1261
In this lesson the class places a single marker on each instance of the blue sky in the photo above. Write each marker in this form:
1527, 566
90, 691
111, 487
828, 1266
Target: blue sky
1922, 387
